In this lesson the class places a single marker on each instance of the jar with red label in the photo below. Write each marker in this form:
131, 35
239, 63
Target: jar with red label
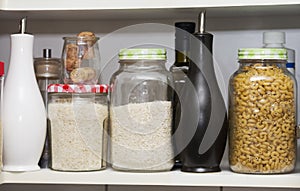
77, 117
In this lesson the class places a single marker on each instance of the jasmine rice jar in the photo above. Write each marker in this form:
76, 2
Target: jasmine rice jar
141, 112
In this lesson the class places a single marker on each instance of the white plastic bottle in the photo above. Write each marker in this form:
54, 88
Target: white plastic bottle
24, 114
276, 39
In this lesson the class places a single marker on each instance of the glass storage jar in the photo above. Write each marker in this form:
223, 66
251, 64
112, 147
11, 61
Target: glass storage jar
81, 58
77, 118
262, 113
141, 112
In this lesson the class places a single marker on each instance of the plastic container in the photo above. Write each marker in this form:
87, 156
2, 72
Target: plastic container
141, 112
276, 39
81, 58
262, 109
77, 116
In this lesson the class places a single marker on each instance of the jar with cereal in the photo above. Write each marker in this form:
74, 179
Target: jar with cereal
141, 112
77, 117
262, 113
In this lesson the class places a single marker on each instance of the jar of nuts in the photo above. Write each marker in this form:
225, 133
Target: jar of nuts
262, 113
81, 59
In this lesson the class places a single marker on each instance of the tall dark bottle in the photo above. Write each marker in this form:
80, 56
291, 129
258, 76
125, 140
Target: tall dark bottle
203, 116
183, 31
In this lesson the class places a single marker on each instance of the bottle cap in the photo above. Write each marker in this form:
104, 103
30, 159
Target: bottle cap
46, 53
263, 53
1, 68
143, 54
187, 26
274, 37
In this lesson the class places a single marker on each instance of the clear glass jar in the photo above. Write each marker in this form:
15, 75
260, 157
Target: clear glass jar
77, 118
141, 112
262, 114
81, 58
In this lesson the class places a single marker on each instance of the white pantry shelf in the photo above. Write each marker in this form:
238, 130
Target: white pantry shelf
143, 9
131, 4
225, 178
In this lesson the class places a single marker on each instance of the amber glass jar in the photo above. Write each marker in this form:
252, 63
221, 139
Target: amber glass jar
262, 113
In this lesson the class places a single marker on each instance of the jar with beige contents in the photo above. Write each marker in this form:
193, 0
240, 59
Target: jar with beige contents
77, 116
141, 112
262, 114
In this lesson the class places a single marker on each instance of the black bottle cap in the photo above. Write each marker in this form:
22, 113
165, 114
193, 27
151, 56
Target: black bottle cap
47, 53
187, 26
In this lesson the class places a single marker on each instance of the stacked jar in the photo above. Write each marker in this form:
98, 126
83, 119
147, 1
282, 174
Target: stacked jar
77, 110
262, 113
141, 112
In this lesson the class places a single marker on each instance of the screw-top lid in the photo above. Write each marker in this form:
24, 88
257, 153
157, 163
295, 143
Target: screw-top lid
77, 88
1, 68
143, 53
274, 37
263, 53
187, 26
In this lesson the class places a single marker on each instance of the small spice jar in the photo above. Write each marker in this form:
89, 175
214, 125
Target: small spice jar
77, 116
262, 113
141, 112
48, 71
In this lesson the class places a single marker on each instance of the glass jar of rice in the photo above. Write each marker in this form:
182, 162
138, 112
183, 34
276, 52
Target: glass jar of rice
77, 122
141, 112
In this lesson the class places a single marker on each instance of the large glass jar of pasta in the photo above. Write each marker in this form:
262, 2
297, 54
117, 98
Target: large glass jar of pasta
262, 113
141, 112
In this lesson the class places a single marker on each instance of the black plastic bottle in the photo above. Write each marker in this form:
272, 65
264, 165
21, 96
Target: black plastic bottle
204, 118
183, 31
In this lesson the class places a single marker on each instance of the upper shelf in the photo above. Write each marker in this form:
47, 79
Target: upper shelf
131, 4
144, 9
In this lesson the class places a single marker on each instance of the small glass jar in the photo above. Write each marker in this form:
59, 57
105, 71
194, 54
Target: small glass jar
81, 58
141, 112
262, 113
77, 116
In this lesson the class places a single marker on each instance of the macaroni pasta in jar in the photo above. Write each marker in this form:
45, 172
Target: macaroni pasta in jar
262, 113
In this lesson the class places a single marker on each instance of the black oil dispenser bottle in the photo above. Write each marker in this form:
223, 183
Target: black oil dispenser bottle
204, 118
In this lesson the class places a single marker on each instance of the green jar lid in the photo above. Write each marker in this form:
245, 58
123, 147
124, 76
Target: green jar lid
143, 53
263, 53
